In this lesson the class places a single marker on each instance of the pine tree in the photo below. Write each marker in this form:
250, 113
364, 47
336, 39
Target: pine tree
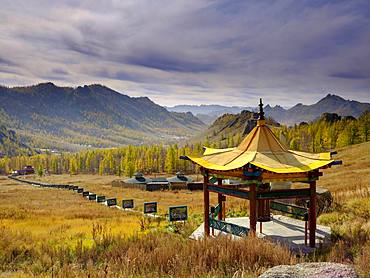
101, 167
129, 169
364, 126
40, 171
73, 166
169, 163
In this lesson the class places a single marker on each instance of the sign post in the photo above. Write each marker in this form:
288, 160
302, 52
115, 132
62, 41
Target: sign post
150, 207
128, 204
111, 202
178, 213
100, 199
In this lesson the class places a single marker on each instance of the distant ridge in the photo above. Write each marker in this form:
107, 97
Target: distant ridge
209, 113
307, 113
331, 103
72, 118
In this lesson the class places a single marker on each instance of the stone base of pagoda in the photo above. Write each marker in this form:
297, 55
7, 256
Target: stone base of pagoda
282, 229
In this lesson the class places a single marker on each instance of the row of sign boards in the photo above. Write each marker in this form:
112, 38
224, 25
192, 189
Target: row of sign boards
92, 196
175, 213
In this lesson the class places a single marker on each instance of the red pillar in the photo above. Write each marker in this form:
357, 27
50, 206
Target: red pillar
206, 204
312, 214
219, 197
252, 208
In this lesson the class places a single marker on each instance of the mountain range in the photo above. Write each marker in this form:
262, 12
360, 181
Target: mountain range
48, 116
66, 118
289, 116
209, 113
307, 113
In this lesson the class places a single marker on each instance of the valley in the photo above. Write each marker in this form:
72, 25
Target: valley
182, 139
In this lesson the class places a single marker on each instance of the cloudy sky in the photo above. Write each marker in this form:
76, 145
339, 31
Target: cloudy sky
176, 52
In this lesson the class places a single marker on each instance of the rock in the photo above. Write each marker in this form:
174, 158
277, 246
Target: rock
312, 270
323, 203
324, 200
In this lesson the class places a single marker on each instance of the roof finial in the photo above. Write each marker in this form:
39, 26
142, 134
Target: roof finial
261, 113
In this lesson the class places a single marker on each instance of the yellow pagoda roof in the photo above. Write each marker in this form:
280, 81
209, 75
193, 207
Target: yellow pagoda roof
262, 149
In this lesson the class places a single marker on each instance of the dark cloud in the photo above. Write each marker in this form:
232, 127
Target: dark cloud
168, 63
350, 75
229, 52
118, 75
6, 62
59, 71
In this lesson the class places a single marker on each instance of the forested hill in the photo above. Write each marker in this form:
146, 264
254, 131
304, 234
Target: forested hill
68, 118
328, 132
229, 129
307, 113
11, 145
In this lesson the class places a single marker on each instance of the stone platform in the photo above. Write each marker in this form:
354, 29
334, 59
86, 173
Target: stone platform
284, 230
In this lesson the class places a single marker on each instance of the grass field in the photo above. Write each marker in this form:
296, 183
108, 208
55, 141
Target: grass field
102, 185
349, 217
46, 232
44, 212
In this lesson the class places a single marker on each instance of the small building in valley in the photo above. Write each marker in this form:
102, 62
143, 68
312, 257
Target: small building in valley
159, 183
138, 181
180, 181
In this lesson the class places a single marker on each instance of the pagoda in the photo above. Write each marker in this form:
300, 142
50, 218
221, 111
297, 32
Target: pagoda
260, 160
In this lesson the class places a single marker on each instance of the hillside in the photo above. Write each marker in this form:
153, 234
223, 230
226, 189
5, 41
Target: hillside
10, 143
71, 118
306, 113
325, 133
228, 129
355, 169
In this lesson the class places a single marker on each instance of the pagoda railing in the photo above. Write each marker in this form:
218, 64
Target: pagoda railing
294, 210
224, 226
227, 227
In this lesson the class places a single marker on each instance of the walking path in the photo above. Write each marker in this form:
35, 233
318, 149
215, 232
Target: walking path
74, 189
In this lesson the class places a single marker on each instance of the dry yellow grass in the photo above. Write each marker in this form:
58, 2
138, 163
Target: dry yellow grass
45, 231
102, 185
352, 179
59, 215
349, 217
